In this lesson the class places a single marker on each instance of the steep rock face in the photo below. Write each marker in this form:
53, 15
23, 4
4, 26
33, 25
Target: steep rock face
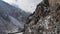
12, 19
45, 19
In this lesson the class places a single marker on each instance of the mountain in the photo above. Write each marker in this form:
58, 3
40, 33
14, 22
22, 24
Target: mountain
12, 18
45, 19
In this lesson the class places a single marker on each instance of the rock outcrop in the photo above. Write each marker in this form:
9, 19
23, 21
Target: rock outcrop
45, 19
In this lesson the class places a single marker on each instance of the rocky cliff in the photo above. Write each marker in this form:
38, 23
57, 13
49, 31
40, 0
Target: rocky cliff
45, 19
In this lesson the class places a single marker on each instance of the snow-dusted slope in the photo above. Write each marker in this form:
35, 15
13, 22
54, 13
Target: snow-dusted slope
27, 5
12, 18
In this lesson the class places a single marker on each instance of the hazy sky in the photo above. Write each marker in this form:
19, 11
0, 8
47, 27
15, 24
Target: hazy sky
27, 5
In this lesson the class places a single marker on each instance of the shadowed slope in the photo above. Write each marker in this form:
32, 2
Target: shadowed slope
11, 18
